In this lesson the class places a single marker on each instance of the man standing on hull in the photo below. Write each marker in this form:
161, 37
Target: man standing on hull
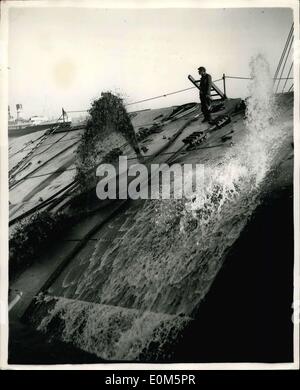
205, 87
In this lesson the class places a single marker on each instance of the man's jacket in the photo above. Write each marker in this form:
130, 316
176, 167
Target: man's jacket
205, 84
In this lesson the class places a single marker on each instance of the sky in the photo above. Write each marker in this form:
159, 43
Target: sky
65, 57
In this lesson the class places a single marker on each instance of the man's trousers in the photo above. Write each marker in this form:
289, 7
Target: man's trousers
205, 106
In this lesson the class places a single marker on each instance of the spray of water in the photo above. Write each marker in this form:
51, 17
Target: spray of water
169, 257
112, 332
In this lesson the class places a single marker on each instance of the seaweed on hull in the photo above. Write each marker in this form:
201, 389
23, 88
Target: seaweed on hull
32, 236
108, 128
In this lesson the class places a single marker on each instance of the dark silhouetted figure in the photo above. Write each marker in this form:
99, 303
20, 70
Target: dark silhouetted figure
205, 87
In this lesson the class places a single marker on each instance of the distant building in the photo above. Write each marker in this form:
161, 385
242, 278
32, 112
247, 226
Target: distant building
10, 117
19, 108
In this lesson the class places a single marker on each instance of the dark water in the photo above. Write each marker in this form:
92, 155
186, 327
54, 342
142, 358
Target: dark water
246, 315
